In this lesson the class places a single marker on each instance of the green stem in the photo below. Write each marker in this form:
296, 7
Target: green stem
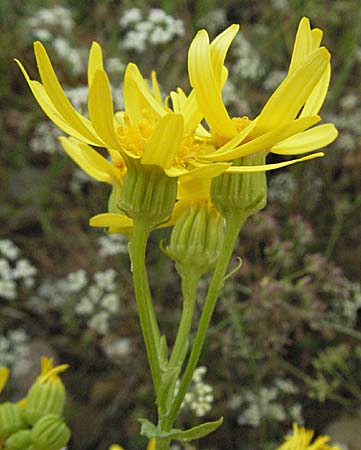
162, 444
190, 280
234, 222
148, 322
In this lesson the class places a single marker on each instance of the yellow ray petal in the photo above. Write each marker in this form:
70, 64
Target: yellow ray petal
236, 141
307, 141
218, 50
47, 106
203, 80
89, 160
265, 141
95, 61
164, 143
267, 167
57, 96
316, 38
207, 170
115, 221
4, 376
100, 106
302, 45
137, 95
318, 95
291, 95
191, 112
155, 85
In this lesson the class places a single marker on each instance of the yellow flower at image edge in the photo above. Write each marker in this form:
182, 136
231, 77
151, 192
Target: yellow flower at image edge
301, 439
150, 446
4, 375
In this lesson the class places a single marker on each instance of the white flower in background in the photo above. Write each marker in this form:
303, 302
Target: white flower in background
268, 404
106, 280
78, 96
117, 348
14, 351
135, 40
45, 139
24, 269
5, 269
110, 302
69, 54
112, 244
8, 289
280, 5
85, 306
157, 15
248, 63
57, 17
76, 281
114, 65
99, 322
9, 249
42, 34
14, 272
157, 28
199, 398
130, 16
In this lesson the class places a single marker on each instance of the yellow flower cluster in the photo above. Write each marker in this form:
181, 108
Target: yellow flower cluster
169, 134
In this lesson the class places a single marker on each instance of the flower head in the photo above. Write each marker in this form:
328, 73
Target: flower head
148, 130
284, 124
301, 439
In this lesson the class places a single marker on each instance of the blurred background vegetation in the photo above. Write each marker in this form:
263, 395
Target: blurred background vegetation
284, 344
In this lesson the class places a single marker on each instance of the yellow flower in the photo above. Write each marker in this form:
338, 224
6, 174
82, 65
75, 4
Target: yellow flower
301, 439
283, 126
4, 375
147, 130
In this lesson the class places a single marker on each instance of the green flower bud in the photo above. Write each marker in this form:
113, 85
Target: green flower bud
50, 433
245, 192
197, 238
11, 419
148, 193
47, 394
18, 441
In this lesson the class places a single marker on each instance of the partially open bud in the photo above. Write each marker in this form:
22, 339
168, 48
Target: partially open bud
246, 192
50, 433
196, 239
11, 419
47, 394
148, 193
18, 441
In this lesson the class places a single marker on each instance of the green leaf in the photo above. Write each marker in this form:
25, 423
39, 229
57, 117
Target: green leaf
196, 432
149, 430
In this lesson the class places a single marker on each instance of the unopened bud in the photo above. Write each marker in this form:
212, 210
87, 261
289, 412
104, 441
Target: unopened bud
50, 433
197, 238
18, 441
148, 193
245, 192
47, 394
11, 419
